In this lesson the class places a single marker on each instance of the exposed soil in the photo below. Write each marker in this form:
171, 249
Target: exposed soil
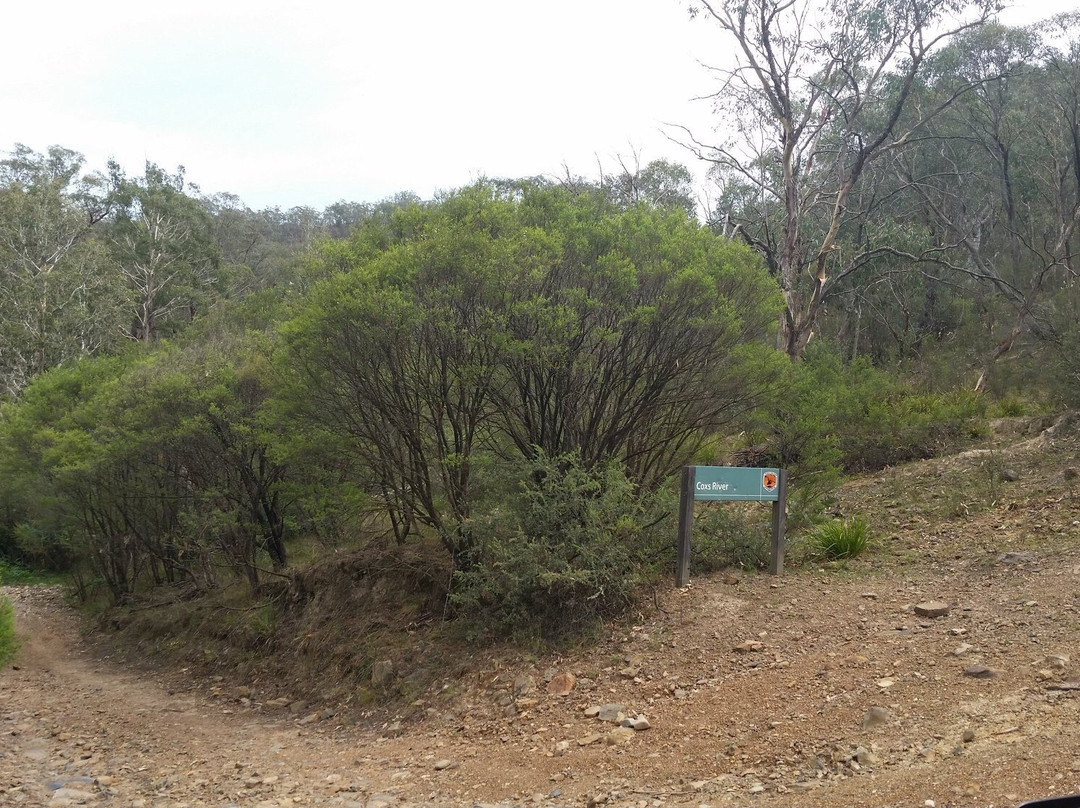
759, 690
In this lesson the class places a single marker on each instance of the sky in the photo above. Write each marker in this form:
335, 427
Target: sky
305, 104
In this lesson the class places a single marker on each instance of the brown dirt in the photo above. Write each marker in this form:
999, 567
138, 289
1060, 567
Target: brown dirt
776, 724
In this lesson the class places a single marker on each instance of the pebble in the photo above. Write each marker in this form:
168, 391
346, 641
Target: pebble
620, 736
980, 672
875, 717
591, 738
962, 649
1059, 661
444, 763
749, 646
382, 673
524, 685
968, 736
612, 713
932, 608
561, 684
72, 796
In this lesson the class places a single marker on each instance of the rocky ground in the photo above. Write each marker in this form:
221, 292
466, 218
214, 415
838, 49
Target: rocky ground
942, 669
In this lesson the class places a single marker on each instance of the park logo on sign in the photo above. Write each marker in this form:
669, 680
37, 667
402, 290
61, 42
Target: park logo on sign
769, 480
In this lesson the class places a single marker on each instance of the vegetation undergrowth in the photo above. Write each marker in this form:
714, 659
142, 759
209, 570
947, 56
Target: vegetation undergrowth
840, 539
9, 641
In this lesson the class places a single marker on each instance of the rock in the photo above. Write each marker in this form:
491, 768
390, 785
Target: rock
864, 756
72, 796
592, 712
527, 704
1009, 475
278, 703
639, 724
962, 649
524, 685
297, 707
393, 729
620, 736
757, 788
679, 693
380, 801
875, 717
611, 713
308, 719
503, 699
980, 672
968, 736
749, 646
887, 682
242, 692
1058, 661
67, 781
561, 684
382, 673
588, 740
630, 672
561, 748
555, 793
932, 608
444, 763
1025, 557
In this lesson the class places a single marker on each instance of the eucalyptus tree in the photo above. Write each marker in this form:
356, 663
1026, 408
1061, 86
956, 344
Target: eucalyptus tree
162, 243
59, 298
817, 93
1001, 187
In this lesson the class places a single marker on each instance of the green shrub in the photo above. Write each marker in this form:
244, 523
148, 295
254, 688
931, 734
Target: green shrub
838, 539
833, 415
9, 643
730, 535
565, 547
1009, 407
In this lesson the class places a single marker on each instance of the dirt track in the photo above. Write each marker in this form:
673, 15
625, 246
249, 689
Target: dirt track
758, 692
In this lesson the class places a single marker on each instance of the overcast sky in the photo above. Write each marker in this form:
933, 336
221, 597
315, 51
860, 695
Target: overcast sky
294, 104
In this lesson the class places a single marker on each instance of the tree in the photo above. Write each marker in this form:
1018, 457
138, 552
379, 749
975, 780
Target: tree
816, 96
58, 297
163, 245
545, 322
661, 184
1002, 188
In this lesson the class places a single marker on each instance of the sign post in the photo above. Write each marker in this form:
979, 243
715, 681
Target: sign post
731, 484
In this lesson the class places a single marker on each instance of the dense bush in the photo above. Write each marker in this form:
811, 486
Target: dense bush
569, 546
859, 418
832, 416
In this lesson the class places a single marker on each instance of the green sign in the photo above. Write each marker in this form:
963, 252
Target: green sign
733, 483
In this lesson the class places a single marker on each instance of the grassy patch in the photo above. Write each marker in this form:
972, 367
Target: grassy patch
838, 539
12, 573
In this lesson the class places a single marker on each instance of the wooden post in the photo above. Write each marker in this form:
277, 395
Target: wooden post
779, 525
686, 526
